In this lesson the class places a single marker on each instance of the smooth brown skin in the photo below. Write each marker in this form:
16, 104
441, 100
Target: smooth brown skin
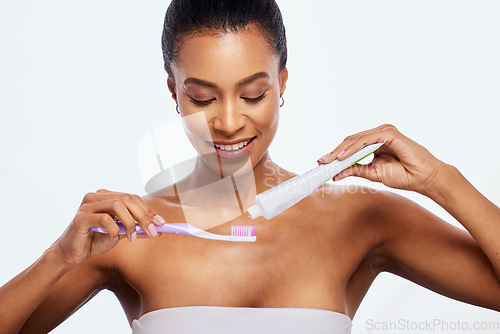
322, 253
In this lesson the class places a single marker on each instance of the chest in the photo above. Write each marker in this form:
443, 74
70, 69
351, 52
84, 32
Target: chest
285, 267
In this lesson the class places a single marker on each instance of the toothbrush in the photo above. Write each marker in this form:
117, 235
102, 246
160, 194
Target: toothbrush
238, 233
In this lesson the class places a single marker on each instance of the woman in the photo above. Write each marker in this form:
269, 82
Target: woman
311, 265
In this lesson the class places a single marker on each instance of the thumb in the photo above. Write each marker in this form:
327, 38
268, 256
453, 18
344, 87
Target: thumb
369, 172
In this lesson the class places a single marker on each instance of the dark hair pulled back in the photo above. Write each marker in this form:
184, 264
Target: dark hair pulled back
187, 17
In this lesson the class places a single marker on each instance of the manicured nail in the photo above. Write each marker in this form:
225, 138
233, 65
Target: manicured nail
325, 156
159, 219
133, 237
116, 238
340, 154
152, 230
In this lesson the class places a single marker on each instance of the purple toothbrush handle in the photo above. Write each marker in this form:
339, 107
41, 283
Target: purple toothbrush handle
169, 228
120, 225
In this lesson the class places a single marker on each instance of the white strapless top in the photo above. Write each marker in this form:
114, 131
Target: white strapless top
241, 320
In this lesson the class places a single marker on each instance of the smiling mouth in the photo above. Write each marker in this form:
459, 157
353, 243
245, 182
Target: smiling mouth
233, 147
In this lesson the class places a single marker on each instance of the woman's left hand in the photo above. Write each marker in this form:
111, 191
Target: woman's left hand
399, 163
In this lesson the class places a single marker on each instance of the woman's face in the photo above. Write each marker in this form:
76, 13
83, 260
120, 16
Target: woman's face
228, 89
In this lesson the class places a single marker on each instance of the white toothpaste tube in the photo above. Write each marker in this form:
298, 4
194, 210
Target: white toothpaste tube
274, 201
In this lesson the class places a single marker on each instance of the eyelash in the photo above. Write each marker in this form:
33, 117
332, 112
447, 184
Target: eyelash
249, 100
201, 103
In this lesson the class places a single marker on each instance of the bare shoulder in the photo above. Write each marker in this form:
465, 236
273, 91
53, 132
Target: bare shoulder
367, 205
359, 204
367, 217
391, 227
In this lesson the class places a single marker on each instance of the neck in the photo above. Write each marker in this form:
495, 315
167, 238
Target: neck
265, 174
268, 174
210, 199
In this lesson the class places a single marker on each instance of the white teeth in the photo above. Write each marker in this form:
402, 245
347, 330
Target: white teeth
233, 147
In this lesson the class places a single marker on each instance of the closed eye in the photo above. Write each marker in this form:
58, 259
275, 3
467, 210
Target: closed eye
201, 103
248, 99
255, 99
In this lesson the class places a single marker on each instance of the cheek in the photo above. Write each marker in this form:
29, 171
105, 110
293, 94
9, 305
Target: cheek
194, 124
268, 118
197, 130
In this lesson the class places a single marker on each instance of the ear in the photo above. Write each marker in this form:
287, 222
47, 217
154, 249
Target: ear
171, 88
283, 77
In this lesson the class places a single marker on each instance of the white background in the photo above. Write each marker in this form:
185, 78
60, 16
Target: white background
82, 81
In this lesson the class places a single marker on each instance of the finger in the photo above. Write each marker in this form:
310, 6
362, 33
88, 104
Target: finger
103, 194
97, 196
120, 237
86, 220
116, 207
341, 149
384, 135
157, 219
369, 172
332, 155
104, 191
141, 214
381, 167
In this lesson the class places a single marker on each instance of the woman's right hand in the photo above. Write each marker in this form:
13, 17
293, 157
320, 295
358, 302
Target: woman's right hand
100, 209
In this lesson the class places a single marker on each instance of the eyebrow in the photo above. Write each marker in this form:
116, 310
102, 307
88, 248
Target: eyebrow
242, 82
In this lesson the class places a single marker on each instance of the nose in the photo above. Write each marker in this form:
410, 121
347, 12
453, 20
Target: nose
228, 120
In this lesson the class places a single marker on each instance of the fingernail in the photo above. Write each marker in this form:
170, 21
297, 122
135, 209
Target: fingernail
116, 238
159, 219
133, 237
152, 230
340, 154
325, 156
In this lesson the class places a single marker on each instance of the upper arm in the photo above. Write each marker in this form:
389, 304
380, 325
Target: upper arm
72, 291
425, 249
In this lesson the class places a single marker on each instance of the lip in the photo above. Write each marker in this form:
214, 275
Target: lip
236, 154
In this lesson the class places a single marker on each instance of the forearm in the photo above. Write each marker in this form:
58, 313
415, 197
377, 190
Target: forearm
474, 211
23, 294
